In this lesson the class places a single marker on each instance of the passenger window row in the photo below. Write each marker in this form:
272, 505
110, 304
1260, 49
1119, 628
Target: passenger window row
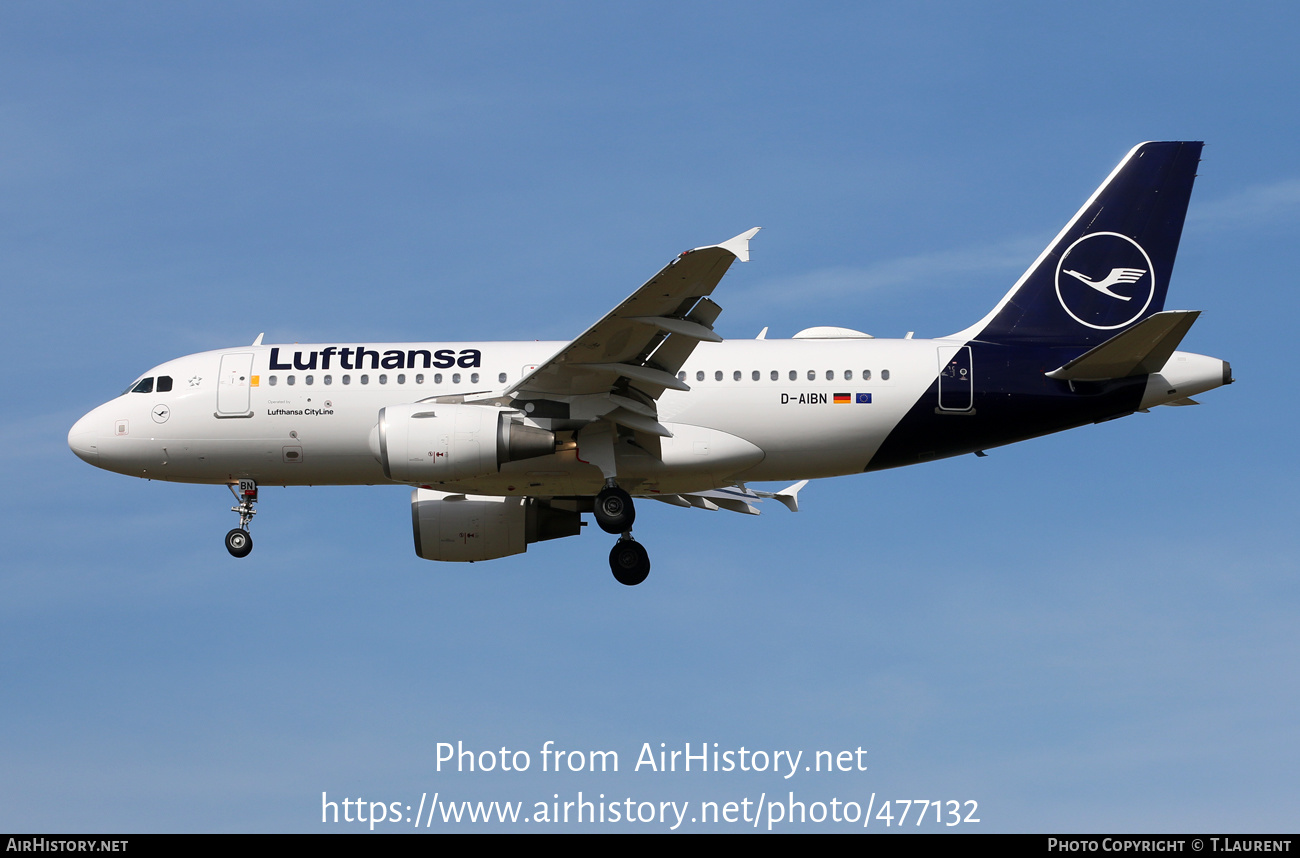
382, 378
775, 375
164, 382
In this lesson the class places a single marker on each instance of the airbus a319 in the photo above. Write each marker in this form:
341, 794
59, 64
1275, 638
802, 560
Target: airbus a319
508, 444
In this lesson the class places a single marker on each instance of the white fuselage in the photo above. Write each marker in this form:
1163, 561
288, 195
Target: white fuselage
298, 427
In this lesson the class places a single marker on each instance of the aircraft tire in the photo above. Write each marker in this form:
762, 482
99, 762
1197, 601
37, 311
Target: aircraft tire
239, 542
629, 562
614, 510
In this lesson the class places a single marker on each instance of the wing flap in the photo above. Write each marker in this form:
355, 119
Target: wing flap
648, 374
674, 500
640, 423
685, 327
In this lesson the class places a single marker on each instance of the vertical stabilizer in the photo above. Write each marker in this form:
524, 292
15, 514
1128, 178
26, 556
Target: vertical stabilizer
1109, 268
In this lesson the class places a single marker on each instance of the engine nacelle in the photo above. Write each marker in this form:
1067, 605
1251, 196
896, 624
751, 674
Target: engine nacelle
424, 442
473, 527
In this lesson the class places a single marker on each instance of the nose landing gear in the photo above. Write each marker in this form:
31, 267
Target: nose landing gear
239, 542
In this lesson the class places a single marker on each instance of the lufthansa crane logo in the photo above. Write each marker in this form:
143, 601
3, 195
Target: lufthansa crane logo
1115, 277
1109, 281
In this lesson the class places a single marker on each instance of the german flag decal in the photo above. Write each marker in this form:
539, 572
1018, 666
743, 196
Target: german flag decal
843, 398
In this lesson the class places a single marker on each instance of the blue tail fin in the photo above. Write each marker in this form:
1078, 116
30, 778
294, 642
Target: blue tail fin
1109, 268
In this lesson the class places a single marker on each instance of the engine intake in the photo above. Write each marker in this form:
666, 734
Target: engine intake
425, 442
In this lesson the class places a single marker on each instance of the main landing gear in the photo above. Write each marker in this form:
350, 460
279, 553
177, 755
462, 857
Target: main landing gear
239, 542
615, 513
629, 561
614, 510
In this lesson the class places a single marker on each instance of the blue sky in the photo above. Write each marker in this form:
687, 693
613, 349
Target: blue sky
1088, 632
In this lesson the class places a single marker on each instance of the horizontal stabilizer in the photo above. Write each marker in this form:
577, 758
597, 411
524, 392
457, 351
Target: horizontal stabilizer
1141, 350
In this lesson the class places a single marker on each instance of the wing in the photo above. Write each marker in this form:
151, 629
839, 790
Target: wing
632, 355
735, 498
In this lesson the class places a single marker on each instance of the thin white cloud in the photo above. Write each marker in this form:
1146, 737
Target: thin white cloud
952, 268
1254, 205
949, 268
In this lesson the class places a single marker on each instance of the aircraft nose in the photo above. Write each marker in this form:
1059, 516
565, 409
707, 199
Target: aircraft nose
83, 440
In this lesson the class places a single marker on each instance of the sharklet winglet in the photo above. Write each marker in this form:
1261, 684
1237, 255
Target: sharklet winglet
739, 246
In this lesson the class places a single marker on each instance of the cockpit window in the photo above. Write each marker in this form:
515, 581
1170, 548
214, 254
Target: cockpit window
144, 385
164, 383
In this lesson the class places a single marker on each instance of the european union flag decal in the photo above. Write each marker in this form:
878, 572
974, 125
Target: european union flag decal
864, 398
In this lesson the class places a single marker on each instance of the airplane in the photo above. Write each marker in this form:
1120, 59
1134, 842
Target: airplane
509, 444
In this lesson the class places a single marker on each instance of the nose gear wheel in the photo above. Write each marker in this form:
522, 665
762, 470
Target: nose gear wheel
239, 542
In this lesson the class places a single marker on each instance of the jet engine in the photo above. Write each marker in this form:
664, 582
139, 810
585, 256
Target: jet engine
471, 527
425, 442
